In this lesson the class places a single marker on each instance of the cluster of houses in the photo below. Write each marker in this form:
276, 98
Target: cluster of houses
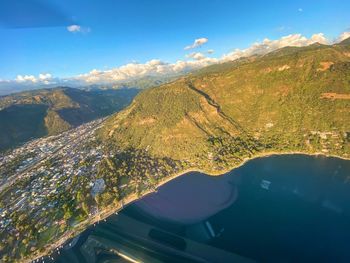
42, 169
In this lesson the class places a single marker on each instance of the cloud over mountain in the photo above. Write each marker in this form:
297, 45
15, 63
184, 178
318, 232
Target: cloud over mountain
157, 67
153, 67
267, 45
196, 56
43, 77
343, 36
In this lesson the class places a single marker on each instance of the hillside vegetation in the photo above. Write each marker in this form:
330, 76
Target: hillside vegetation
293, 99
34, 114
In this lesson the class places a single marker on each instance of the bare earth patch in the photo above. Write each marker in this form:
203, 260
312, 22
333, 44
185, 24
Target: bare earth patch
325, 65
267, 70
284, 67
147, 121
335, 96
283, 91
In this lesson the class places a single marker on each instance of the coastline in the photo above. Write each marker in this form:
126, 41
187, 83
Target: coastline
245, 160
108, 211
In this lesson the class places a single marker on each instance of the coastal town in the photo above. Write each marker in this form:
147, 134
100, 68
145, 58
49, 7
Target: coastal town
17, 163
51, 186
42, 175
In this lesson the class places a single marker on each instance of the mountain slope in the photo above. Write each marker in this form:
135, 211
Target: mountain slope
293, 99
34, 114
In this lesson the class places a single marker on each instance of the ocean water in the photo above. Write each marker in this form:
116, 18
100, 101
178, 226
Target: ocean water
287, 208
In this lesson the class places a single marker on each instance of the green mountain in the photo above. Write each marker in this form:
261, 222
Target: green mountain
296, 99
291, 100
34, 114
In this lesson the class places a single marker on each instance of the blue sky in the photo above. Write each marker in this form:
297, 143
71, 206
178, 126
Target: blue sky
114, 32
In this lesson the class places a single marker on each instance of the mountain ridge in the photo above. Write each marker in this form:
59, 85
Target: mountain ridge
283, 85
37, 113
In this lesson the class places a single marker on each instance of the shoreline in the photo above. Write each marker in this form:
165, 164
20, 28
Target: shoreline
108, 211
245, 160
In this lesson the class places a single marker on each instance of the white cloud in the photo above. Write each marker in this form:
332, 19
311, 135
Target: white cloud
158, 67
320, 38
43, 78
210, 51
196, 56
46, 78
74, 28
343, 36
77, 28
26, 78
153, 67
197, 43
267, 45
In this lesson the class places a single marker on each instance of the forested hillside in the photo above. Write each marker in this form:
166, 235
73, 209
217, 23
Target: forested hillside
293, 99
34, 114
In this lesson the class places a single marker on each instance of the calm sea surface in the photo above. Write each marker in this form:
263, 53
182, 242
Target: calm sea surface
287, 208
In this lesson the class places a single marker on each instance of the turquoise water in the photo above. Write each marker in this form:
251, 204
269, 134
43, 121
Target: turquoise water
289, 208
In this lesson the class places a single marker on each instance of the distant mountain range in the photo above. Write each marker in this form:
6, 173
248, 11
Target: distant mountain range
139, 83
33, 114
134, 83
